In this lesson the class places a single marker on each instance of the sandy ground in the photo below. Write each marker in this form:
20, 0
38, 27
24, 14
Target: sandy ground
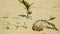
41, 9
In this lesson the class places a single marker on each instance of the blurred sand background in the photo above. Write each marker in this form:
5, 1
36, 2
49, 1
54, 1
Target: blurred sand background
41, 9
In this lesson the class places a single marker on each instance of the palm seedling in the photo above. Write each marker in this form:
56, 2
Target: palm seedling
27, 6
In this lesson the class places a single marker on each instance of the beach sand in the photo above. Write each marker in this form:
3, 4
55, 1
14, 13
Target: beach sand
41, 9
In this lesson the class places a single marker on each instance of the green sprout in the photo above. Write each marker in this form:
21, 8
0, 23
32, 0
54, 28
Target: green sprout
27, 6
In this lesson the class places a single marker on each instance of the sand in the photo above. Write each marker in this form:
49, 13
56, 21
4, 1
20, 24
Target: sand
41, 9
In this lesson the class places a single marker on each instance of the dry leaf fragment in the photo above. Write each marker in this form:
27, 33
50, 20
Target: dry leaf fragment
51, 17
24, 26
53, 25
22, 15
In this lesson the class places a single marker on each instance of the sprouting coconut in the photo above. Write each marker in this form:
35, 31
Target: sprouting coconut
39, 25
